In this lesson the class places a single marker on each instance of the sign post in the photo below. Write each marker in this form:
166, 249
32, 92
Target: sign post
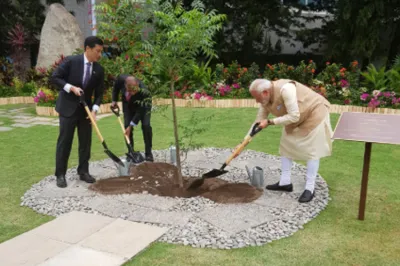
369, 128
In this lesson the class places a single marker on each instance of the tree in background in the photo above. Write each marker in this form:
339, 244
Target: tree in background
365, 30
7, 15
123, 25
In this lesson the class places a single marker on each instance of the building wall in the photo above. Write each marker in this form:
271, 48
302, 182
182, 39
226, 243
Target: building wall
298, 46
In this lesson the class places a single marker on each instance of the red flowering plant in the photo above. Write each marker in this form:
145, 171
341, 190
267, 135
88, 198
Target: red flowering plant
200, 95
303, 73
341, 83
41, 75
232, 72
247, 75
276, 71
380, 99
233, 81
318, 87
45, 97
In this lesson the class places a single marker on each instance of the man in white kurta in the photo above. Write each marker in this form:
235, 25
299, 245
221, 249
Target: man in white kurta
307, 130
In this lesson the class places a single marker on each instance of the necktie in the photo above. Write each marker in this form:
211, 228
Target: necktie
87, 75
128, 96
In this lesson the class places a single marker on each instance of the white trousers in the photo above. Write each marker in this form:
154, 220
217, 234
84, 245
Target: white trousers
312, 171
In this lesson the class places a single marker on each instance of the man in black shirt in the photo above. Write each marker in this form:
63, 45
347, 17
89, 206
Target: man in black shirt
136, 105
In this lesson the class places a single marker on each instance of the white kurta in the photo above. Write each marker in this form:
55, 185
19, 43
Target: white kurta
317, 144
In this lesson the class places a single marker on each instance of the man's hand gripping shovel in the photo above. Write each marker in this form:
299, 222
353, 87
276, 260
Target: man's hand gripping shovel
134, 157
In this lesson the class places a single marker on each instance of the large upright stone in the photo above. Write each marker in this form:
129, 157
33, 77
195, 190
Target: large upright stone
60, 35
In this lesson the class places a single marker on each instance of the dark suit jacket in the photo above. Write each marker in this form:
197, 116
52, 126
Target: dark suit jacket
139, 104
71, 71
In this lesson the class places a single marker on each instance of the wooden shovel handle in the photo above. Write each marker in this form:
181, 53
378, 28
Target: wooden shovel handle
123, 130
244, 143
94, 123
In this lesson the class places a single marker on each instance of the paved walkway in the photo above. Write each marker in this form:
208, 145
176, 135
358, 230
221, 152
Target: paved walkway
79, 238
20, 119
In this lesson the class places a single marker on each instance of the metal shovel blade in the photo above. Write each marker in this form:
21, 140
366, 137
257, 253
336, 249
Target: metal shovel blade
112, 155
214, 173
199, 182
135, 157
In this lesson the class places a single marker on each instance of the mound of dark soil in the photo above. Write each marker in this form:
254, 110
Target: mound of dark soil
162, 179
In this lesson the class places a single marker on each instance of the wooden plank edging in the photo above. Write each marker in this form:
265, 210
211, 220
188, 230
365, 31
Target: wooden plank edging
228, 103
16, 100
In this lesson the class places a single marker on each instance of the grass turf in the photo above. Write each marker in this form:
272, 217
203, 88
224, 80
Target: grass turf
335, 237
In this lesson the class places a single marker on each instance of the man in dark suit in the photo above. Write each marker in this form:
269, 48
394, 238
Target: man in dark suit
136, 105
78, 74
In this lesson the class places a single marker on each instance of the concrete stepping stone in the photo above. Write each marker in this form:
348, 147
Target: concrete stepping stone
3, 129
160, 217
79, 238
72, 227
23, 117
44, 123
241, 217
17, 110
109, 206
22, 121
42, 119
123, 238
21, 125
80, 256
277, 199
149, 201
29, 249
194, 156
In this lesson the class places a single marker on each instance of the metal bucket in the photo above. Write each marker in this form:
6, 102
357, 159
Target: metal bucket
172, 155
124, 170
256, 176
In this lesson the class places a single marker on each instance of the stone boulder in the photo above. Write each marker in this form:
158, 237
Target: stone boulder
60, 35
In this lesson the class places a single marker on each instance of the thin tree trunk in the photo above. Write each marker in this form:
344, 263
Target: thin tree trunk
178, 157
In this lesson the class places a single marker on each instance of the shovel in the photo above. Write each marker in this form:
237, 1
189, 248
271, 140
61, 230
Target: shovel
217, 172
106, 150
135, 157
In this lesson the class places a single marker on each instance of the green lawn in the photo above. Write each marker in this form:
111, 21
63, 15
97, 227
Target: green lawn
335, 237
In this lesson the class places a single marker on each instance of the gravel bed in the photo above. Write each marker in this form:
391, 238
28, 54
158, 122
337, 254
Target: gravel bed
280, 213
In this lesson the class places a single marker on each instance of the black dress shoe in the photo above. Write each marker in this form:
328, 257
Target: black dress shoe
276, 186
87, 178
306, 196
149, 157
61, 182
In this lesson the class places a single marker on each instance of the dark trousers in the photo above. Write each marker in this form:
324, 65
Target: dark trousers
146, 129
66, 135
